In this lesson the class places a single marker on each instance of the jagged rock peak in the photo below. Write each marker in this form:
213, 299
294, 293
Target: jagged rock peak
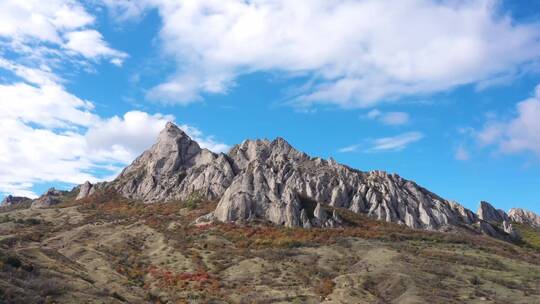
524, 217
50, 198
11, 200
174, 168
488, 213
274, 181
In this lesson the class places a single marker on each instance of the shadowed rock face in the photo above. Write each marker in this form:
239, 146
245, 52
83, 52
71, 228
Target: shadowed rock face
524, 217
488, 213
14, 200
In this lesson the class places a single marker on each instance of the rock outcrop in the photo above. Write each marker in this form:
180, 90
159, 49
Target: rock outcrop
276, 182
488, 213
14, 200
524, 217
85, 190
271, 180
50, 198
173, 169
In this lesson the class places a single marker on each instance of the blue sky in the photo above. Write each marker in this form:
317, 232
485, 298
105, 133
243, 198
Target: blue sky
441, 92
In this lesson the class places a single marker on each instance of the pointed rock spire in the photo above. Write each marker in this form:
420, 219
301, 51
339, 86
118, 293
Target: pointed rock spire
488, 213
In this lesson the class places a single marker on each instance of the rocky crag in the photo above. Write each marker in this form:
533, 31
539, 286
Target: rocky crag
271, 180
14, 200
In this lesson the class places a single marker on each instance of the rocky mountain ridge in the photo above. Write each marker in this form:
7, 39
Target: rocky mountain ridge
271, 180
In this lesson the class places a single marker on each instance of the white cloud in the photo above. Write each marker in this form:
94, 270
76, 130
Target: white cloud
356, 53
389, 118
47, 144
348, 149
208, 142
90, 44
395, 143
48, 106
50, 135
518, 134
40, 30
41, 20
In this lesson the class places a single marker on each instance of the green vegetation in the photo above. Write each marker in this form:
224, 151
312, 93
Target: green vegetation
529, 235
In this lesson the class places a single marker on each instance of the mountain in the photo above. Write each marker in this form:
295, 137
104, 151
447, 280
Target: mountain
272, 181
264, 223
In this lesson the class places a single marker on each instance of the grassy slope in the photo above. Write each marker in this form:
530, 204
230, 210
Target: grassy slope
114, 251
530, 235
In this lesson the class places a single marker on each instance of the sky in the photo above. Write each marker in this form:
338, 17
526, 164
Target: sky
445, 93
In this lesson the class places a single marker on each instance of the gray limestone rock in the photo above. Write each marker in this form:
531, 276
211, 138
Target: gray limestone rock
488, 213
50, 198
271, 180
274, 181
173, 169
85, 190
524, 217
488, 229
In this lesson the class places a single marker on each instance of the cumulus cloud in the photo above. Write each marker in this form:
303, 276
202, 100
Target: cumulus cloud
90, 44
355, 53
48, 134
389, 118
59, 147
40, 30
518, 134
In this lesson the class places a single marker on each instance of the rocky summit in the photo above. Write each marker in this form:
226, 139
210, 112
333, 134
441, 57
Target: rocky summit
175, 168
271, 180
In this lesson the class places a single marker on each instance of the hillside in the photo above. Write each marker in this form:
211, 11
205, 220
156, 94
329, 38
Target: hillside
107, 249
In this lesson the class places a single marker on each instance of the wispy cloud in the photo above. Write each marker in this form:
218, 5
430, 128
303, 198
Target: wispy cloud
389, 118
395, 143
348, 149
462, 154
392, 143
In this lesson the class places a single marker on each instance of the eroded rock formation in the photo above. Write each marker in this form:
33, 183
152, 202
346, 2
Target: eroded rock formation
50, 198
524, 217
271, 180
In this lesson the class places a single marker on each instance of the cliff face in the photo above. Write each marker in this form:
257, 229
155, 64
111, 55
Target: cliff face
271, 180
